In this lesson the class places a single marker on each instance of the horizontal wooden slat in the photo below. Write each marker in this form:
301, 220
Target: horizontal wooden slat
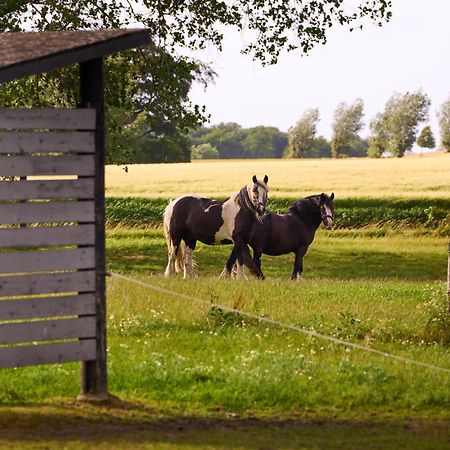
45, 142
39, 212
47, 330
69, 305
26, 355
47, 236
47, 260
21, 166
83, 281
82, 188
51, 118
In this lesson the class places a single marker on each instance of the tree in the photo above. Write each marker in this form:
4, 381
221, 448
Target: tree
263, 142
204, 151
378, 142
426, 138
275, 25
233, 141
321, 148
161, 72
395, 130
444, 124
346, 126
301, 136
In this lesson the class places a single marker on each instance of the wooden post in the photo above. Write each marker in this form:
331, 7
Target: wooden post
94, 373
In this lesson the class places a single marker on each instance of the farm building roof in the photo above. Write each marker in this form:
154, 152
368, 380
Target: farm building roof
23, 54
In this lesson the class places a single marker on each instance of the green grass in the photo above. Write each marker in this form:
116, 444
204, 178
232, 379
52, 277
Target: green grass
387, 292
188, 370
191, 375
376, 254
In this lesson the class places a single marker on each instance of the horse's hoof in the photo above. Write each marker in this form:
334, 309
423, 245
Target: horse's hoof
225, 273
298, 277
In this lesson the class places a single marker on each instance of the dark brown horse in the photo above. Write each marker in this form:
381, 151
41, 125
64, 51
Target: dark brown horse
279, 234
189, 219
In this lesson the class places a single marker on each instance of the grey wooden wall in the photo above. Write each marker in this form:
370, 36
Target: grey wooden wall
47, 236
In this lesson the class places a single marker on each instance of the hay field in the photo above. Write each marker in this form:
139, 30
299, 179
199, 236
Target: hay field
414, 177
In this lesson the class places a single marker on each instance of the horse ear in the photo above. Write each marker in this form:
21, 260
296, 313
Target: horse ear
254, 179
322, 198
332, 196
266, 179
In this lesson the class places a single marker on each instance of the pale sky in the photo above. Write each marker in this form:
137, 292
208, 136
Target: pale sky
410, 52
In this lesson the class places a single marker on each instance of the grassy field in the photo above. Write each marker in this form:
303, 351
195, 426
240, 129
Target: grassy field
348, 178
194, 376
189, 375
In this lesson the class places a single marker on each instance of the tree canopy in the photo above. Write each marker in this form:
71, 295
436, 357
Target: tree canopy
346, 126
155, 83
233, 141
444, 124
426, 138
395, 129
301, 136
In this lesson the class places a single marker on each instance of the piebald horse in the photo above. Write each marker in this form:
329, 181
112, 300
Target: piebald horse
279, 234
190, 219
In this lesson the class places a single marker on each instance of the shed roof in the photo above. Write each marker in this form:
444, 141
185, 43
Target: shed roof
23, 54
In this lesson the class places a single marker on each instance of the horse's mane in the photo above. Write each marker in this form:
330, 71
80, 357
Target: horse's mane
307, 208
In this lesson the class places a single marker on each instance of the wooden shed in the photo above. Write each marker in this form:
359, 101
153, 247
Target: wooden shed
52, 200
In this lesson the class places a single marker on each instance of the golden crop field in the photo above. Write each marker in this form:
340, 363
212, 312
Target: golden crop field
412, 177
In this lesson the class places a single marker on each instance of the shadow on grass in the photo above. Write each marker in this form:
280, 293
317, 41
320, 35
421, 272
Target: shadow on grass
122, 424
340, 265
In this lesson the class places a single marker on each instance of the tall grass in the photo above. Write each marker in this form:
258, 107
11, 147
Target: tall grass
350, 213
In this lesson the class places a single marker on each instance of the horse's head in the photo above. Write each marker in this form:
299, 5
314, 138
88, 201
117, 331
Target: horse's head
327, 210
257, 192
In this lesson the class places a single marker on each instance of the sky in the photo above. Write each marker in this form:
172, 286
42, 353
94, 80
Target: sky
410, 52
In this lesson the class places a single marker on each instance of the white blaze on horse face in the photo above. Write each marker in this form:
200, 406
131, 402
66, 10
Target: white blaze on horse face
230, 210
258, 196
328, 218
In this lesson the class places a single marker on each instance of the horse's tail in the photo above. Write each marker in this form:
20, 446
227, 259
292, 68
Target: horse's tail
171, 249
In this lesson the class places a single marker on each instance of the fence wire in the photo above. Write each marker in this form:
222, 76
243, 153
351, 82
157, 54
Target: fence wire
276, 323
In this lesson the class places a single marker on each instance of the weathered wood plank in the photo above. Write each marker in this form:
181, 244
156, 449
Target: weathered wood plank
50, 118
32, 308
83, 281
47, 330
21, 166
45, 142
46, 212
26, 355
82, 188
47, 236
47, 260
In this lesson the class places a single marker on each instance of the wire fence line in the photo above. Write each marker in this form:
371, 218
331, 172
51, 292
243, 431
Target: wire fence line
276, 323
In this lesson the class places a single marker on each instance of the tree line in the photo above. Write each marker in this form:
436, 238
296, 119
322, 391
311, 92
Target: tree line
148, 111
149, 115
393, 132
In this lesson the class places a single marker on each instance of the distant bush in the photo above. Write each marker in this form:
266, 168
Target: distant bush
204, 151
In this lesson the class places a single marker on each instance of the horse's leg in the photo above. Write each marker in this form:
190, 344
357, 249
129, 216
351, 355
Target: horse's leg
189, 259
253, 264
239, 249
172, 250
226, 272
298, 263
256, 262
